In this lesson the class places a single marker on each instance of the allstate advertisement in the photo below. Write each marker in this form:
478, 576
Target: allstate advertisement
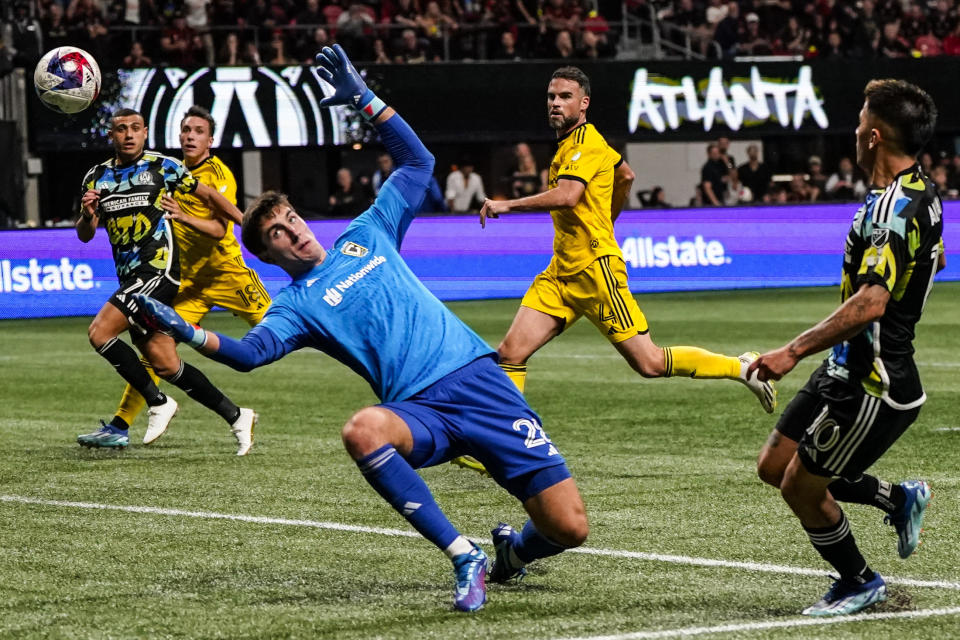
49, 272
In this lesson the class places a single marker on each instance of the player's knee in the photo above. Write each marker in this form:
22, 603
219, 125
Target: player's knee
363, 433
572, 532
97, 335
508, 353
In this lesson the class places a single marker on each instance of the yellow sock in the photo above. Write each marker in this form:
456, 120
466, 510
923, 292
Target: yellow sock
517, 373
699, 363
132, 402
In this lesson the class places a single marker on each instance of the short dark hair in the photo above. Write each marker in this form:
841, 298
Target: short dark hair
123, 113
196, 111
574, 74
250, 227
904, 107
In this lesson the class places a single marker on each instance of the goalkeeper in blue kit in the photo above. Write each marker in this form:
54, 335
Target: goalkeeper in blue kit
442, 393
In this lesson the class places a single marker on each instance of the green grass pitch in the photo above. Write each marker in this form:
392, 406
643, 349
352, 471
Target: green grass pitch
666, 468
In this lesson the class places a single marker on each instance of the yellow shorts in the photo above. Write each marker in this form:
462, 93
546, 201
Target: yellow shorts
235, 287
599, 292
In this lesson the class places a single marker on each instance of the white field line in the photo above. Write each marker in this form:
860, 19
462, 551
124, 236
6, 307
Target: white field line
688, 632
336, 526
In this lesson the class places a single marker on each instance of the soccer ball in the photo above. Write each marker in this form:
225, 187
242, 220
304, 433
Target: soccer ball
67, 79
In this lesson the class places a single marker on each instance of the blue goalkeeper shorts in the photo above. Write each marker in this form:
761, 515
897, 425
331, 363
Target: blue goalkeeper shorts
478, 411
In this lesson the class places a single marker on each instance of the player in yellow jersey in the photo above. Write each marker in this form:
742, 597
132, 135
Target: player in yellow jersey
587, 188
212, 270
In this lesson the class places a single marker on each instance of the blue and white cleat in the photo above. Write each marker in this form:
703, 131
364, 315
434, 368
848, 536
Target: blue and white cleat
504, 537
909, 519
845, 598
471, 573
107, 436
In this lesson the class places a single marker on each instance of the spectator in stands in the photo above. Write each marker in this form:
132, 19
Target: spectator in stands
558, 15
723, 146
54, 27
224, 14
657, 199
197, 18
891, 44
410, 49
251, 54
737, 192
6, 57
311, 15
380, 55
465, 190
525, 177
926, 162
846, 184
562, 45
508, 48
715, 12
794, 39
889, 11
278, 49
754, 42
951, 44
137, 58
867, 28
178, 42
927, 45
713, 177
801, 190
349, 199
384, 169
755, 174
943, 20
727, 32
317, 40
939, 177
914, 23
433, 24
834, 48
405, 13
229, 53
817, 178
589, 48
353, 26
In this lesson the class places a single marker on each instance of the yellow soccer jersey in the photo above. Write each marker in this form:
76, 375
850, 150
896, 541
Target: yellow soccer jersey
199, 253
584, 232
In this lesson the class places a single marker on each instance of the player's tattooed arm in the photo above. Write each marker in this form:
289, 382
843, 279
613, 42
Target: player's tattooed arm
89, 215
215, 227
865, 306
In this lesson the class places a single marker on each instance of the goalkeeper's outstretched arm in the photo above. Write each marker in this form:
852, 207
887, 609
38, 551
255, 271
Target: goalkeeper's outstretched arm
258, 347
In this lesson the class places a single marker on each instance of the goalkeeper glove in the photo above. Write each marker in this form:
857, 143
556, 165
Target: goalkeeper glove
159, 317
349, 88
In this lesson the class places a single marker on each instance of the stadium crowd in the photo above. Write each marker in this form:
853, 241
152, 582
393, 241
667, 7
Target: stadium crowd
207, 32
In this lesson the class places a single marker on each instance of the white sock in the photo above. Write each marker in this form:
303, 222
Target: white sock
459, 546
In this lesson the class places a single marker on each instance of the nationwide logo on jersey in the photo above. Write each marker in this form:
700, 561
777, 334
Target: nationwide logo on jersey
333, 297
354, 250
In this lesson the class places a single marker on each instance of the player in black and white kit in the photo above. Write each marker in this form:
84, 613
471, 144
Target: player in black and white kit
125, 192
867, 392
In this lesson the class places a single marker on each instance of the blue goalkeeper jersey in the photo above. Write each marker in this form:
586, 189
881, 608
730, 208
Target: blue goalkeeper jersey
364, 306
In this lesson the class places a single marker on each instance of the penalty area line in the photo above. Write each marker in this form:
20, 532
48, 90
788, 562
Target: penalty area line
337, 526
689, 632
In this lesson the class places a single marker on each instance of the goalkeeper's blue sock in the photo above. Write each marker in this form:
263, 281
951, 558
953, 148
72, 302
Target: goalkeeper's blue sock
397, 482
533, 545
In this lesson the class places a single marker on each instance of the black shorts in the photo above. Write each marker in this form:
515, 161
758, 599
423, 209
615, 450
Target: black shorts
157, 286
839, 428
